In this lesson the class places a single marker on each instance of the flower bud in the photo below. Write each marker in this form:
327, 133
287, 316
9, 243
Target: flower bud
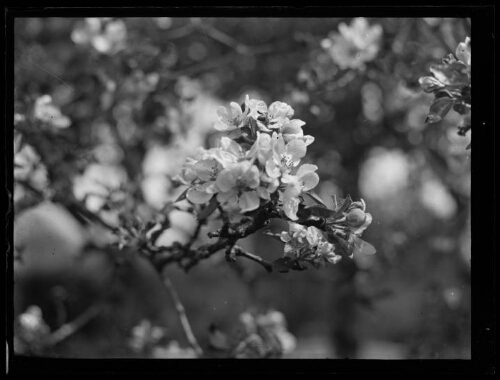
356, 217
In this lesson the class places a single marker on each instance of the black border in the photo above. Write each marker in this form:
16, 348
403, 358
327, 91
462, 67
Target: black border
484, 262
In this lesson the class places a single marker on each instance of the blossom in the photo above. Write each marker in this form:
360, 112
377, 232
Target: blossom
261, 148
237, 184
267, 186
292, 130
45, 111
206, 171
278, 114
305, 179
354, 45
255, 107
463, 51
103, 34
232, 119
308, 244
284, 156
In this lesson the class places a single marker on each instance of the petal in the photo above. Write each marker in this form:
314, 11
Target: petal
293, 127
230, 146
251, 177
206, 169
263, 193
305, 169
222, 113
198, 197
236, 110
223, 197
226, 180
310, 181
249, 201
221, 126
297, 149
278, 146
272, 170
291, 206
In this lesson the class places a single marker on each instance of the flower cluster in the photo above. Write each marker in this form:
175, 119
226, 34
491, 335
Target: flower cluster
151, 341
31, 331
354, 45
308, 244
105, 35
256, 161
346, 226
451, 86
265, 335
48, 113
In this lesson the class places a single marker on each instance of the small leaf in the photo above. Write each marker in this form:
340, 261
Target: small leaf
439, 108
322, 212
345, 205
284, 264
363, 247
315, 198
461, 107
182, 196
451, 74
209, 209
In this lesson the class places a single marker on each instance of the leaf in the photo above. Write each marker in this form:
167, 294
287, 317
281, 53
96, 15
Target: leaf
451, 74
285, 264
209, 209
182, 196
439, 108
345, 205
321, 211
461, 107
362, 247
315, 198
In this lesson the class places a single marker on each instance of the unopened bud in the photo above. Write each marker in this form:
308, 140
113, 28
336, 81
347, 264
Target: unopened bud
356, 217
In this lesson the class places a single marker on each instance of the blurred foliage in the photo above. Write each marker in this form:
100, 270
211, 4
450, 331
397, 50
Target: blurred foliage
107, 110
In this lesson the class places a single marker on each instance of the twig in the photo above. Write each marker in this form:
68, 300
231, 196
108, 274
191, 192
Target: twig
238, 251
70, 328
183, 318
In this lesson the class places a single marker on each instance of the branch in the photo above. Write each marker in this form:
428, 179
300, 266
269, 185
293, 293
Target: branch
70, 328
183, 317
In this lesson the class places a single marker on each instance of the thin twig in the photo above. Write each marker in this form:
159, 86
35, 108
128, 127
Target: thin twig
70, 328
183, 317
238, 251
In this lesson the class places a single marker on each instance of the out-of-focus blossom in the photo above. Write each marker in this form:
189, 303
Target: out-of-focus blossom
145, 334
103, 34
45, 111
97, 183
463, 51
355, 45
265, 335
173, 351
